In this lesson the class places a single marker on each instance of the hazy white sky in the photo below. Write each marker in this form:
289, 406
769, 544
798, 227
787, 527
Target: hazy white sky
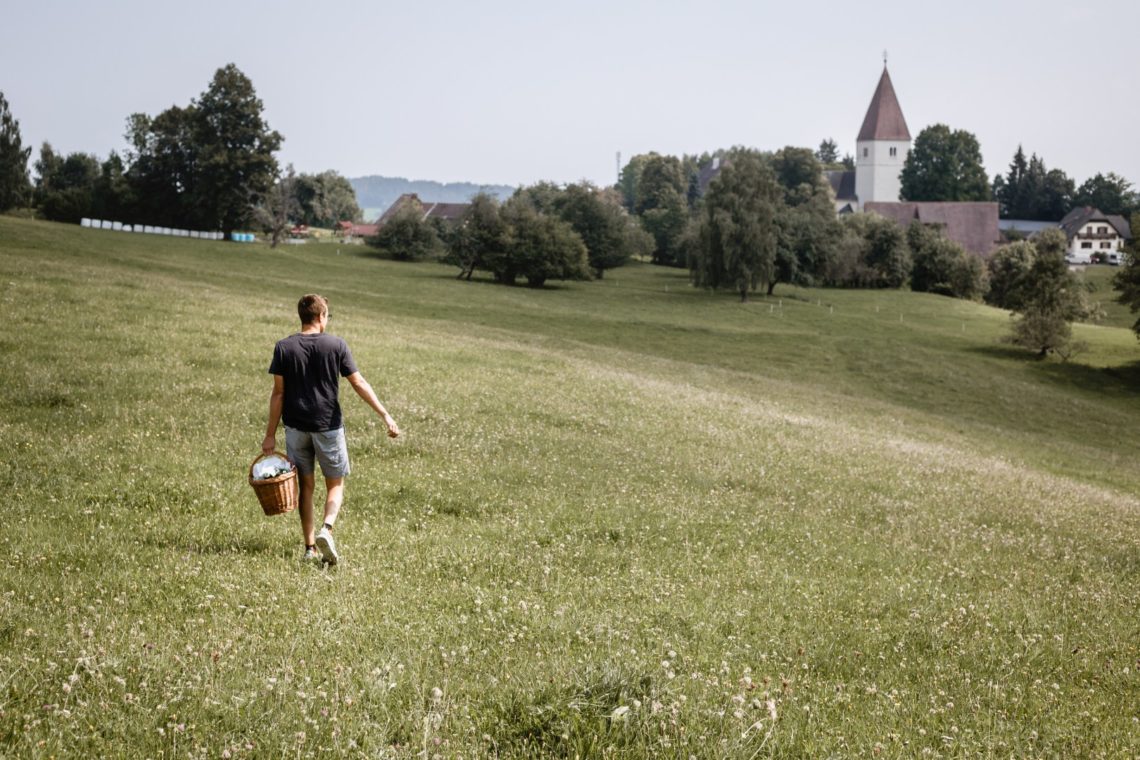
515, 92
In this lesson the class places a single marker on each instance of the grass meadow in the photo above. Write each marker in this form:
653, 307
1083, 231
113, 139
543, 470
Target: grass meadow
626, 518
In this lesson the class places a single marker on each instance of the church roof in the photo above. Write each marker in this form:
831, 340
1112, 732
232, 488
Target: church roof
884, 119
842, 184
974, 226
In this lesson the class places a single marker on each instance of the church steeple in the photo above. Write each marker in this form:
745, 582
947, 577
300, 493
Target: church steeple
882, 146
884, 119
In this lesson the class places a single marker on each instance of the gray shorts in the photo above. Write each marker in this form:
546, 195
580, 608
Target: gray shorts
328, 447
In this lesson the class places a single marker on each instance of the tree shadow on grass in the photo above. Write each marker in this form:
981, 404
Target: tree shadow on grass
1120, 381
477, 279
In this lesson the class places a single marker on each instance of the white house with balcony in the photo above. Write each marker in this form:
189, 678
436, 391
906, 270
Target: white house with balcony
1090, 233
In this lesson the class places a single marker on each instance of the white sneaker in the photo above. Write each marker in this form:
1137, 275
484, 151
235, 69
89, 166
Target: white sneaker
327, 546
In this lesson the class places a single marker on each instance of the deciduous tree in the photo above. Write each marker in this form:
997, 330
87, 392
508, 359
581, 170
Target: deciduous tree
601, 225
65, 186
326, 199
942, 266
1127, 280
14, 185
480, 236
235, 147
737, 233
279, 209
207, 165
1110, 193
1009, 268
661, 203
162, 166
944, 165
407, 236
540, 247
1050, 299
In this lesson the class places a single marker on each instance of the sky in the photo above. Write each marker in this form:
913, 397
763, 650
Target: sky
496, 92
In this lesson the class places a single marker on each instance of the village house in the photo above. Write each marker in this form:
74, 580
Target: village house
1092, 233
448, 212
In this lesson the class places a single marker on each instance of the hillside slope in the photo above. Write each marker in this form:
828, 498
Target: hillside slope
625, 516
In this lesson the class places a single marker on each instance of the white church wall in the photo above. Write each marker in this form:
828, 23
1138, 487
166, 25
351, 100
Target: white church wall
878, 164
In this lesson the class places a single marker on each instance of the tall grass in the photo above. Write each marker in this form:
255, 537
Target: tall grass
626, 519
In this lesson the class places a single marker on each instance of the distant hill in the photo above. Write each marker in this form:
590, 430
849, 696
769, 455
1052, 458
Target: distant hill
374, 194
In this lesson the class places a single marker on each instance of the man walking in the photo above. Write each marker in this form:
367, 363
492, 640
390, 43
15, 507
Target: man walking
306, 368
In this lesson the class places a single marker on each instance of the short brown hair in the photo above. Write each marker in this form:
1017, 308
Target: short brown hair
311, 307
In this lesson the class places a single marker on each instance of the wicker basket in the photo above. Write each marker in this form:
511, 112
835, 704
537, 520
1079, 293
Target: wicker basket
277, 495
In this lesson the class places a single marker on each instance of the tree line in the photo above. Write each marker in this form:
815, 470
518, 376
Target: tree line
945, 164
208, 165
542, 232
766, 218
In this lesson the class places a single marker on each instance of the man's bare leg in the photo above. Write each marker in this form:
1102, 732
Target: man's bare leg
308, 484
333, 499
325, 543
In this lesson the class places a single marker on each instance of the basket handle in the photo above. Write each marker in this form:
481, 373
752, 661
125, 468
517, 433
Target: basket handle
259, 457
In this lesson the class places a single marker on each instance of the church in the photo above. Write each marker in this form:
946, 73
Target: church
880, 153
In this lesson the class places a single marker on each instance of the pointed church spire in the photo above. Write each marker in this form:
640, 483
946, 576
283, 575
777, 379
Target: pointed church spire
884, 119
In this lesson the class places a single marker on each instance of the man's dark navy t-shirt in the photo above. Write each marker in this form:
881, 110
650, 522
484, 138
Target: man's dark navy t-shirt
312, 366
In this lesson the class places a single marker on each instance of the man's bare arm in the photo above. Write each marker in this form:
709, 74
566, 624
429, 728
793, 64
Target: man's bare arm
276, 401
364, 390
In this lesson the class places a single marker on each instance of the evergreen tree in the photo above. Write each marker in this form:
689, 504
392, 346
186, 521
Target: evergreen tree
1031, 191
828, 152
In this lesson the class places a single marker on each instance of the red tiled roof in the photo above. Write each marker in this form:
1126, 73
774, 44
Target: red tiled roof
974, 226
884, 119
